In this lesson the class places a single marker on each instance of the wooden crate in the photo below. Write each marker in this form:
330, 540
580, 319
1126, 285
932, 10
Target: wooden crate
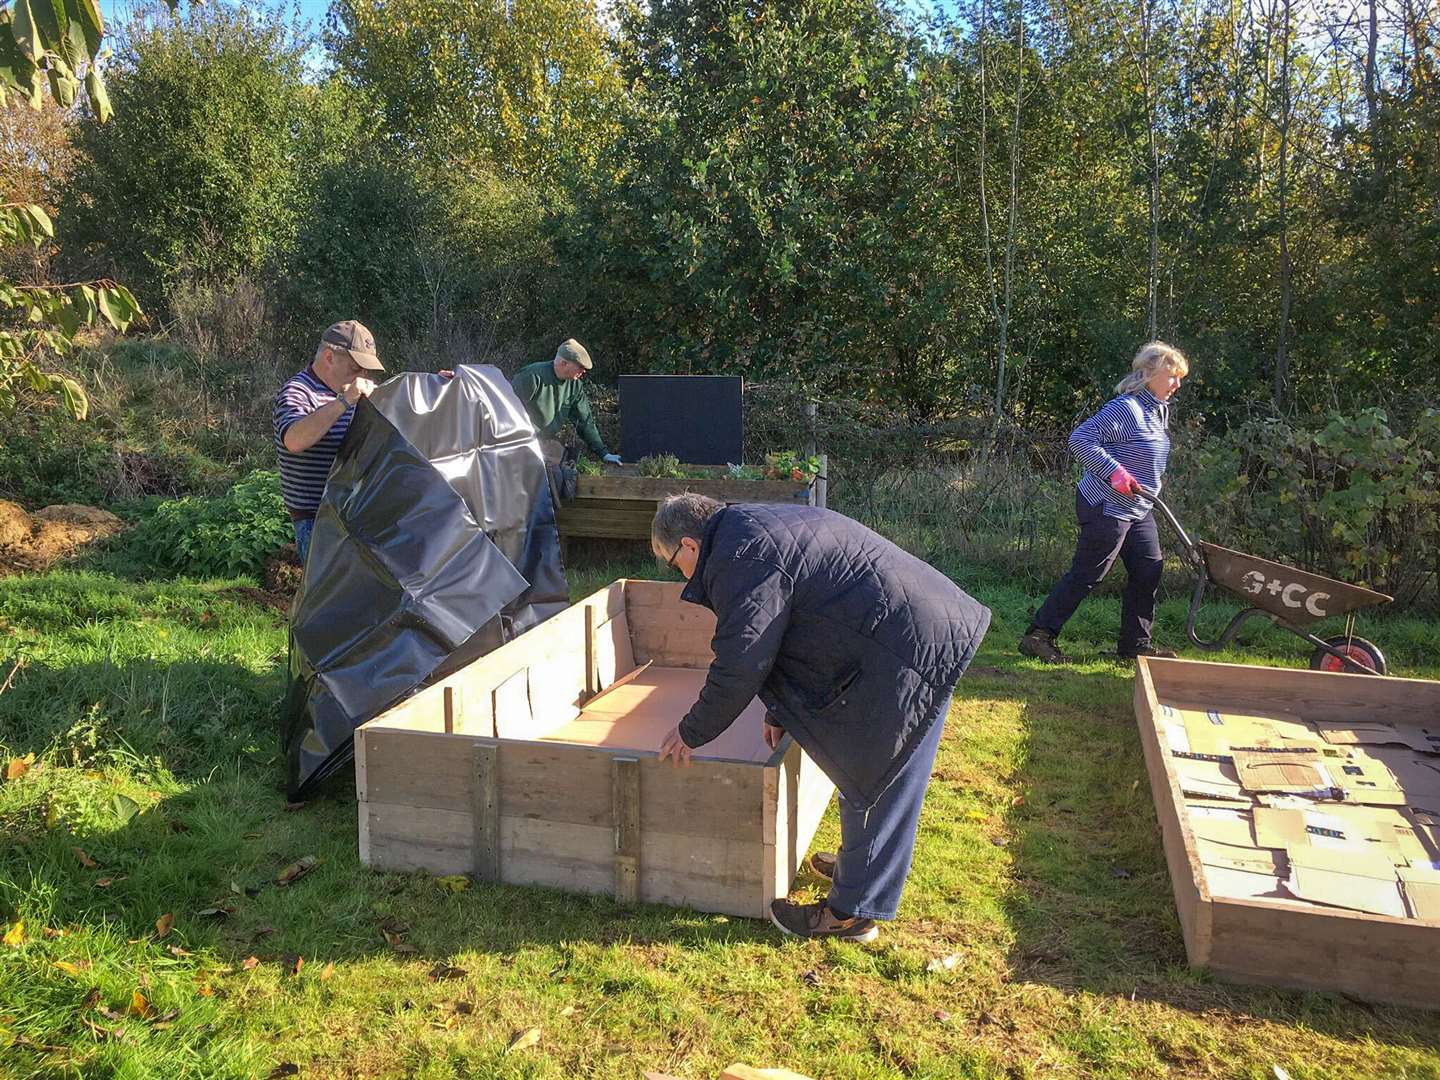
1272, 939
536, 765
621, 507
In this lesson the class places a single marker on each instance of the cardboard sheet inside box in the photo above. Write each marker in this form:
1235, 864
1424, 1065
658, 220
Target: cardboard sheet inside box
1301, 821
537, 765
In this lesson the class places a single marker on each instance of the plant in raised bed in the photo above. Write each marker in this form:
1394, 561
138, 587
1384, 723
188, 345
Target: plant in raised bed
661, 466
788, 465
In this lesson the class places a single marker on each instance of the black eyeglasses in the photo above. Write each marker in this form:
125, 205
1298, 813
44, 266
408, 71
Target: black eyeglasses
670, 562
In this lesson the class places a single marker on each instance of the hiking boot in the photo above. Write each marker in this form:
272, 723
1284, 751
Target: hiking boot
818, 921
1039, 644
823, 863
1148, 650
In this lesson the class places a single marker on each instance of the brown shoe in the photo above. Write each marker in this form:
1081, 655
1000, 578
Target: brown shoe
1039, 644
823, 863
818, 921
1148, 650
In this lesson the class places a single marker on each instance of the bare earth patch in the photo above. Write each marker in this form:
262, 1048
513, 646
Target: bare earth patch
33, 542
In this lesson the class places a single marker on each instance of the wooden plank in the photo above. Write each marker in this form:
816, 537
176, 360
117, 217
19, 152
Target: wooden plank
485, 809
409, 838
452, 709
624, 680
614, 653
1192, 898
641, 594
592, 675
626, 815
673, 648
725, 489
416, 768
605, 524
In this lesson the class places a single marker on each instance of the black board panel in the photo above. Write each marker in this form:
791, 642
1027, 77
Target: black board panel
698, 418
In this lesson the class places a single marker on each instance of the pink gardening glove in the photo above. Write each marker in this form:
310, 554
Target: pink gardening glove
1123, 482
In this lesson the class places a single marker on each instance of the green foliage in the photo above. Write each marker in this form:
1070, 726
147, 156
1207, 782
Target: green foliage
522, 90
788, 465
661, 466
52, 45
1345, 495
588, 466
223, 535
200, 163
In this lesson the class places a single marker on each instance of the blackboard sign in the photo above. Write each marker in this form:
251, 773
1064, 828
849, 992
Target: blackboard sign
698, 418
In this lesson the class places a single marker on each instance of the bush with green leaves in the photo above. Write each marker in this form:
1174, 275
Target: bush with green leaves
220, 536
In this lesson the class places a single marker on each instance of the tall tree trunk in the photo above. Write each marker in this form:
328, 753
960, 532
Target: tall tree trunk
1282, 355
1014, 198
1147, 82
1372, 36
995, 311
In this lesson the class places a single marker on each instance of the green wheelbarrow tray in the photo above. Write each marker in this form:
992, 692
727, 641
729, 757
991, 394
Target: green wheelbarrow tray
1290, 598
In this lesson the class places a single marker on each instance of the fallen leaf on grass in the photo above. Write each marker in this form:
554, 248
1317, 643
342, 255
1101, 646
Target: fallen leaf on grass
568, 1010
445, 971
72, 968
205, 990
286, 1068
51, 933
125, 808
296, 870
453, 883
263, 931
291, 963
942, 1015
19, 766
140, 1007
176, 950
523, 1040
811, 978
16, 934
219, 911
1119, 872
85, 860
163, 925
160, 1023
464, 1008
106, 882
250, 963
327, 971
91, 998
943, 963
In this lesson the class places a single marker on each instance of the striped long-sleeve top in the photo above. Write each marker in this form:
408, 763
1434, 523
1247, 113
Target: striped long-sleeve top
1130, 430
303, 475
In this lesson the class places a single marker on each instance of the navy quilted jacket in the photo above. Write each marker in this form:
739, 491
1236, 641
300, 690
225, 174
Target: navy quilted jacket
850, 642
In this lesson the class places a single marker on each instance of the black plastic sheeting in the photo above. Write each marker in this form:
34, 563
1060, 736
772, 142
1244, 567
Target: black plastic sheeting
435, 544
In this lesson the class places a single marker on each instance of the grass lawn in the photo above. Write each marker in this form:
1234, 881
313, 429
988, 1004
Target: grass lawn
155, 798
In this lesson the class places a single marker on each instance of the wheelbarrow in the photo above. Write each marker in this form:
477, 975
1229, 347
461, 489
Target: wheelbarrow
1289, 598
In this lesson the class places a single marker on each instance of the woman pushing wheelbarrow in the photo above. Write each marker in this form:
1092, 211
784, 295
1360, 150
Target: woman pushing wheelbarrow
1123, 449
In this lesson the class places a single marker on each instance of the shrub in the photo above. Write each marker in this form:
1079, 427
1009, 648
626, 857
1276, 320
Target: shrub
222, 536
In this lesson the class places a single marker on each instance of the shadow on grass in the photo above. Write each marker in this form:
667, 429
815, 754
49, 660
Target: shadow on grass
1092, 906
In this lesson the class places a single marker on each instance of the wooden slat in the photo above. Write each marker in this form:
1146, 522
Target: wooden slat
605, 524
592, 675
416, 768
410, 838
452, 709
485, 808
673, 648
626, 816
654, 489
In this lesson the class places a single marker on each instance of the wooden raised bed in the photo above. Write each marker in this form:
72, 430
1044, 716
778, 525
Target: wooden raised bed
1351, 902
619, 506
537, 765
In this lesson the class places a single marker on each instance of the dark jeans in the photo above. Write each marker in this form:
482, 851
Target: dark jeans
303, 528
1102, 538
876, 848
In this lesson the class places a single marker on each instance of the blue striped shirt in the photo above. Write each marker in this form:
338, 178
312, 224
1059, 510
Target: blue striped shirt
1130, 430
303, 475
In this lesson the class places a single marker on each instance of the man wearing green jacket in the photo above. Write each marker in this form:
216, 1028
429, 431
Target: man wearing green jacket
553, 394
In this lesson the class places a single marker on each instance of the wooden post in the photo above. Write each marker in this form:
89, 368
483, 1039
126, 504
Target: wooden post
454, 716
812, 412
625, 799
592, 675
485, 811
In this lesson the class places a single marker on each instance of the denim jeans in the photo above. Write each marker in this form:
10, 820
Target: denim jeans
1102, 539
876, 848
303, 528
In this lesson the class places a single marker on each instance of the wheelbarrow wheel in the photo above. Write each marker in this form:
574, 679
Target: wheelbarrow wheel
1365, 653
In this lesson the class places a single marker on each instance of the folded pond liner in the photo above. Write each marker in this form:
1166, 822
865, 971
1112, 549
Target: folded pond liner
435, 543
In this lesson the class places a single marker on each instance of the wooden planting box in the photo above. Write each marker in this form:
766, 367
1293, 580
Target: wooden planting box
1300, 812
537, 765
621, 507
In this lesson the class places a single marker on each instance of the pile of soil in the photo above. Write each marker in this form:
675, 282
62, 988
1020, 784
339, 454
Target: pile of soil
31, 542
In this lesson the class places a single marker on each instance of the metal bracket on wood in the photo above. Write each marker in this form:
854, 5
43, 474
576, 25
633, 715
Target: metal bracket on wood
485, 812
625, 799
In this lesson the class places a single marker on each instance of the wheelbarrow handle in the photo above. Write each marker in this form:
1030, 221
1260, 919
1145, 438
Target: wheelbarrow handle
1188, 547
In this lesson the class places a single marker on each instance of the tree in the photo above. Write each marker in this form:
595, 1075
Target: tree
52, 42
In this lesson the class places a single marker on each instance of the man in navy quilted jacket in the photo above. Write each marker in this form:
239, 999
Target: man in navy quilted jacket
854, 647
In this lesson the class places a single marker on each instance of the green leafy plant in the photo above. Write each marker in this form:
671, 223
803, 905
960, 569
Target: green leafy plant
588, 467
225, 535
788, 465
743, 472
661, 466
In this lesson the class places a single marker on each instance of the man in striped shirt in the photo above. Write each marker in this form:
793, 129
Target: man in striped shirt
312, 414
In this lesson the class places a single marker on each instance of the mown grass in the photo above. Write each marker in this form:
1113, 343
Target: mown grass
1039, 869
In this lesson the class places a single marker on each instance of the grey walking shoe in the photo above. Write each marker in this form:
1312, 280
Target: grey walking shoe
818, 921
1039, 644
823, 863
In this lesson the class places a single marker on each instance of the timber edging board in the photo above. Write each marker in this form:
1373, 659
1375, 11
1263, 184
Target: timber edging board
500, 790
622, 507
1271, 940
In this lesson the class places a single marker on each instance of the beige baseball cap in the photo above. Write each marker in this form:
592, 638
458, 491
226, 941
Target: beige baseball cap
572, 350
356, 342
